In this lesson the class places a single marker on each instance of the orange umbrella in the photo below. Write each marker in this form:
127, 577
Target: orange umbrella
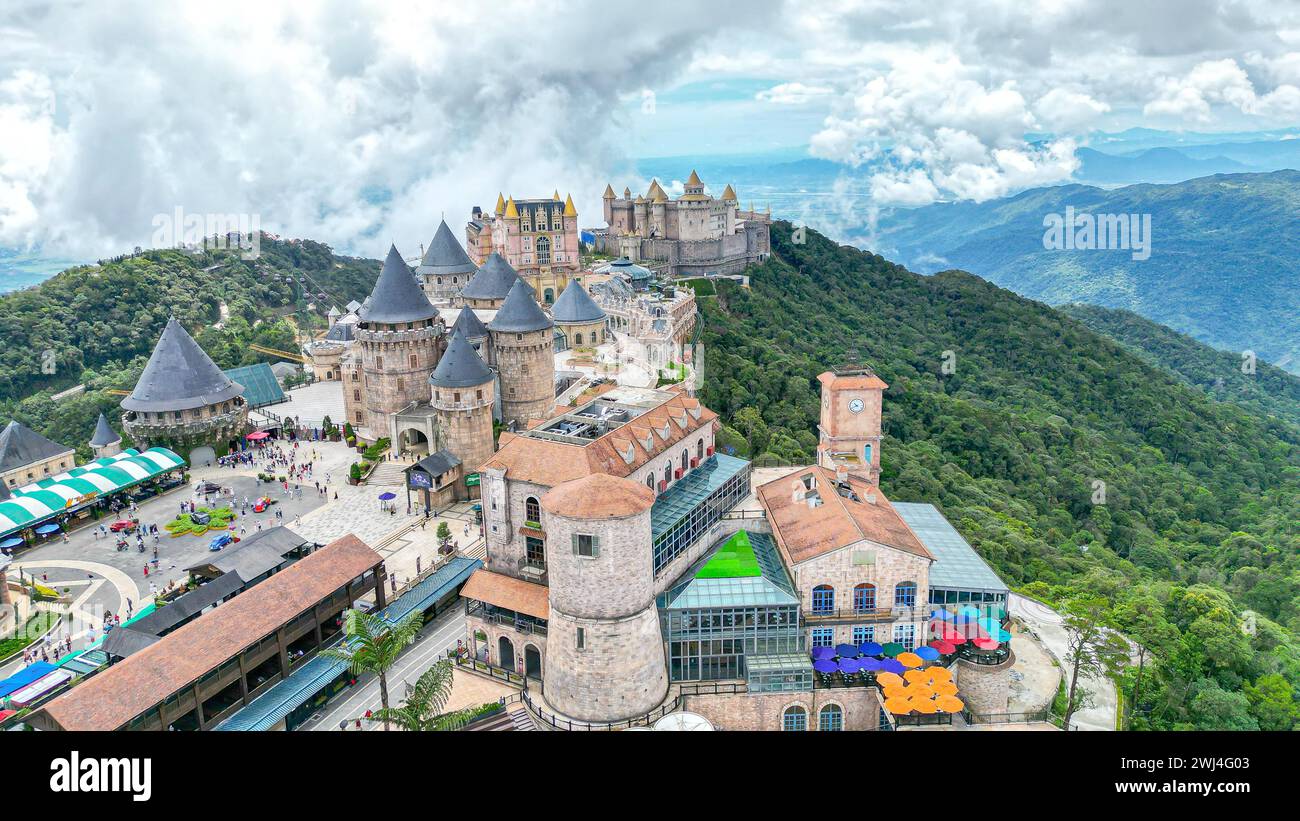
898, 705
949, 704
944, 688
924, 705
886, 679
919, 691
910, 660
939, 673
896, 691
917, 676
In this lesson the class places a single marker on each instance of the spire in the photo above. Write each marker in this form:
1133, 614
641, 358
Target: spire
609, 192
576, 305
460, 365
20, 445
627, 193
104, 434
556, 195
445, 255
569, 210
493, 280
396, 297
729, 194
511, 211
501, 204
180, 376
468, 323
694, 179
520, 312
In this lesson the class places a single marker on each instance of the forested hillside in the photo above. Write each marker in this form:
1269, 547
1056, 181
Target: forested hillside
100, 322
1200, 517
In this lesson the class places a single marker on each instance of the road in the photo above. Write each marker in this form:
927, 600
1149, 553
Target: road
435, 639
1050, 628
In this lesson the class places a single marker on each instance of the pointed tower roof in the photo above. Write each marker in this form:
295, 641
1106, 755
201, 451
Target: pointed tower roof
20, 445
179, 376
694, 179
493, 281
556, 195
396, 297
520, 312
627, 193
460, 365
569, 210
445, 255
501, 204
660, 196
467, 322
729, 193
609, 192
104, 434
655, 190
511, 211
576, 305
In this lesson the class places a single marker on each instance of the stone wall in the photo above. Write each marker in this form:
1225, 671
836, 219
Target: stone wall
765, 711
494, 632
985, 688
592, 333
396, 365
526, 363
465, 423
838, 570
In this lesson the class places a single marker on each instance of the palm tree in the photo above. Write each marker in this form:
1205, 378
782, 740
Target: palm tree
373, 646
421, 711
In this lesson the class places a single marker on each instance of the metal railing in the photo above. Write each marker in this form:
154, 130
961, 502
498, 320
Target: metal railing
490, 670
866, 614
520, 625
567, 724
712, 688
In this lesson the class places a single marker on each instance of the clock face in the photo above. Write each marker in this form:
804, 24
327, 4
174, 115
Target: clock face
855, 406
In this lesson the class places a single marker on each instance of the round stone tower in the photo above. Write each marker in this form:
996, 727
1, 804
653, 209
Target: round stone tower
397, 338
604, 650
578, 317
524, 353
462, 398
445, 268
106, 441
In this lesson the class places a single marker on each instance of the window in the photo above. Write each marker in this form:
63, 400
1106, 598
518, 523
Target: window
866, 454
535, 551
586, 545
455, 396
668, 473
356, 395
823, 637
831, 719
905, 594
823, 599
478, 394
577, 338
794, 720
582, 638
532, 510
650, 481
686, 460
401, 384
862, 635
864, 598
415, 361
379, 363
699, 448
354, 376
905, 634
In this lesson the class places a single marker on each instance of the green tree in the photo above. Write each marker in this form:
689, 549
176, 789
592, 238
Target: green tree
1093, 650
373, 645
421, 709
1272, 702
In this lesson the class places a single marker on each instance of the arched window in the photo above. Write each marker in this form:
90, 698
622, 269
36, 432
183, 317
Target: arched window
577, 338
668, 473
686, 460
532, 510
699, 448
650, 481
544, 253
864, 598
794, 720
831, 718
823, 599
905, 594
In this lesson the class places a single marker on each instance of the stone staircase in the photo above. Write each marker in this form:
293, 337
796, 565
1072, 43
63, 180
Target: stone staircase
388, 474
522, 719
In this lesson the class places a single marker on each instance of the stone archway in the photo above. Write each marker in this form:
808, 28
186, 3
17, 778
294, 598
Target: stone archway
532, 662
413, 440
505, 653
202, 456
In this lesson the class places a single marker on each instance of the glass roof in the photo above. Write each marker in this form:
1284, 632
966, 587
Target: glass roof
677, 501
260, 387
770, 586
957, 566
777, 662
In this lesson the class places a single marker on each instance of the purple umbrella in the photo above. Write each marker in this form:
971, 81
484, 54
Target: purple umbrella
849, 666
869, 665
846, 650
892, 666
825, 666
819, 653
870, 648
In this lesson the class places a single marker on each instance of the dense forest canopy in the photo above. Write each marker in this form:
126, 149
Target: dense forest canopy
1199, 522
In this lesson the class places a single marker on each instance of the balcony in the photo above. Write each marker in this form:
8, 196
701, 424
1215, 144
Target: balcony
864, 615
518, 622
170, 428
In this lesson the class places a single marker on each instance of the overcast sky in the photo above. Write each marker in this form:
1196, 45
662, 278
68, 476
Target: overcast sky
362, 123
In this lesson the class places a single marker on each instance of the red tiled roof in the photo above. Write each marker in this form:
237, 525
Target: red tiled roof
508, 592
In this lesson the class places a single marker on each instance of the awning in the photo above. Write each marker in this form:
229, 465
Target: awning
509, 593
25, 676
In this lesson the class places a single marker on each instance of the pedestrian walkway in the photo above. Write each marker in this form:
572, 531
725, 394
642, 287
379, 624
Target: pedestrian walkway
389, 474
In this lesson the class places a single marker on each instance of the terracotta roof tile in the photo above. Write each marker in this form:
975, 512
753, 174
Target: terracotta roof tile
853, 381
139, 682
598, 496
508, 592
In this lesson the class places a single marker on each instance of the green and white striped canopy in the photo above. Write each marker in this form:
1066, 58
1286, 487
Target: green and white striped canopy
34, 503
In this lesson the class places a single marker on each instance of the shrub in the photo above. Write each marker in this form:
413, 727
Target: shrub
355, 471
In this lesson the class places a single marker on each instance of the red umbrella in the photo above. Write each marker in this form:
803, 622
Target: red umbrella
944, 647
986, 644
257, 435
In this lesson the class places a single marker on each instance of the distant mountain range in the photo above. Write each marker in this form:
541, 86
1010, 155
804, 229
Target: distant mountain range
1224, 262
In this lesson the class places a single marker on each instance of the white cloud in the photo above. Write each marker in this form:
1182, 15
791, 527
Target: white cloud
1224, 82
792, 93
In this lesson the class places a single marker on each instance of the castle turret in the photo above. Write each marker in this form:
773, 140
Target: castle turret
476, 333
445, 268
462, 398
524, 354
608, 199
578, 317
106, 441
604, 650
489, 287
397, 336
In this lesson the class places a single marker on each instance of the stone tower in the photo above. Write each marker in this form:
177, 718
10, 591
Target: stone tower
106, 441
849, 428
397, 338
462, 398
488, 288
476, 333
578, 317
604, 650
524, 354
445, 268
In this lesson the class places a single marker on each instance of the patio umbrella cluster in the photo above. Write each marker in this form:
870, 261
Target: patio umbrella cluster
870, 657
980, 626
926, 691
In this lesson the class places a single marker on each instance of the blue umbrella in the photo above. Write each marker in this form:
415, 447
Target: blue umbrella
48, 528
387, 496
13, 541
846, 650
1002, 636
927, 653
825, 666
849, 666
870, 648
869, 665
819, 653
892, 666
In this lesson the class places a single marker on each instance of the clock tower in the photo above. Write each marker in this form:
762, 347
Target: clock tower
849, 428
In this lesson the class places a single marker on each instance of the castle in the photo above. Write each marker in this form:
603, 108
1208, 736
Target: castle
694, 234
538, 238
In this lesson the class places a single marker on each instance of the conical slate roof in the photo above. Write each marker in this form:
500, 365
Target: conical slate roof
5, 496
493, 281
180, 376
520, 312
104, 434
20, 445
576, 305
468, 322
460, 365
445, 255
396, 297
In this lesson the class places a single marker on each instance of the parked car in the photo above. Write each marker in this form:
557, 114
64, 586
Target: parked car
262, 504
200, 518
123, 526
220, 540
